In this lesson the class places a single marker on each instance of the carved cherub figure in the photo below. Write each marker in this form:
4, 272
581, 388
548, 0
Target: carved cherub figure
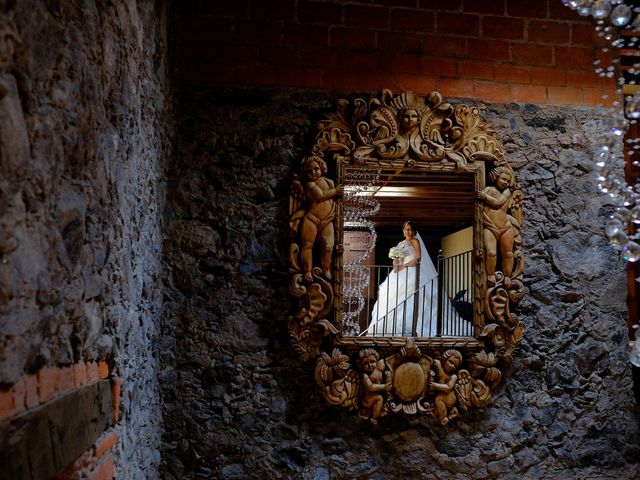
445, 401
317, 223
499, 230
374, 380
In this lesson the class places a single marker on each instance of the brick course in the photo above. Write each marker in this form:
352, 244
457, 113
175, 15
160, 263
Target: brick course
549, 32
338, 45
458, 24
504, 28
412, 20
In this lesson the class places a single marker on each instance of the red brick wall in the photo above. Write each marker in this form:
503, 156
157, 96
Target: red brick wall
33, 390
97, 463
496, 50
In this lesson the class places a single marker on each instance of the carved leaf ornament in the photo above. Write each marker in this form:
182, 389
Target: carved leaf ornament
440, 377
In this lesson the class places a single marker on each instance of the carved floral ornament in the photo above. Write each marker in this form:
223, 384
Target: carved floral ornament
376, 376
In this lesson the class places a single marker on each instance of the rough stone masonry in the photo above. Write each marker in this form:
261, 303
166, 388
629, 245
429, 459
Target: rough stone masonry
239, 404
85, 131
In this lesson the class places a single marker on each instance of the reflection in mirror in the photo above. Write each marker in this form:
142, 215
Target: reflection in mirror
408, 242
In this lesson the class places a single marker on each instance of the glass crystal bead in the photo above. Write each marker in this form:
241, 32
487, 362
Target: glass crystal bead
584, 10
621, 15
619, 239
632, 108
613, 227
618, 125
601, 9
631, 252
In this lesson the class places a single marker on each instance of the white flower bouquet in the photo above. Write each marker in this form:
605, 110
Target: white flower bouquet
396, 253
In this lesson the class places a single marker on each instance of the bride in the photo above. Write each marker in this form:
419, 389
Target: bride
413, 284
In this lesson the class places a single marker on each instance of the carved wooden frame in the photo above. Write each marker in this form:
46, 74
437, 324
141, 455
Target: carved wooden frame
438, 377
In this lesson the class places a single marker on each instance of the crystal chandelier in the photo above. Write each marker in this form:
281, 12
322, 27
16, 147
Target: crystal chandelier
612, 17
360, 205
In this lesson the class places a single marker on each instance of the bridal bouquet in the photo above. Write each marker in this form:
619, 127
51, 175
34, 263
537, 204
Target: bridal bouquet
396, 253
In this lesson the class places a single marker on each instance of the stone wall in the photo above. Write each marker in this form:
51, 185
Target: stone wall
239, 404
84, 138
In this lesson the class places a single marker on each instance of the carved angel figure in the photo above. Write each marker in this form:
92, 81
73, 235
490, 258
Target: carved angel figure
317, 219
445, 401
500, 228
374, 381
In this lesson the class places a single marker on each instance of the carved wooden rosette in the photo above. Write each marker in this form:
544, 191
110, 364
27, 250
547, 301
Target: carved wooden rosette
439, 377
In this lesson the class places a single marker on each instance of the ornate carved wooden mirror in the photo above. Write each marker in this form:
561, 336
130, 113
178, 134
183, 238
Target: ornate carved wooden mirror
424, 325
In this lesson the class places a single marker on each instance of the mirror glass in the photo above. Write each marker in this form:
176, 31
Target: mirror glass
386, 291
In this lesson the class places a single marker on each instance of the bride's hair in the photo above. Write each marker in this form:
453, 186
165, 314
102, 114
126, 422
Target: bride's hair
411, 224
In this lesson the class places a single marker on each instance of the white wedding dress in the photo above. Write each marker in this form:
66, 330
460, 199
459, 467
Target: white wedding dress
400, 295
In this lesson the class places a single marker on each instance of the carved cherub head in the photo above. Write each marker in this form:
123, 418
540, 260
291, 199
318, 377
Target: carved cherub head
451, 360
501, 177
314, 167
368, 359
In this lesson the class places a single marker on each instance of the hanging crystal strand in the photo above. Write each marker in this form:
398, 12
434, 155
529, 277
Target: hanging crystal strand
359, 206
626, 112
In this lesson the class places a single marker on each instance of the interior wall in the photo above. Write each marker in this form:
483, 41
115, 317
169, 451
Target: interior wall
85, 127
458, 242
238, 403
458, 284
